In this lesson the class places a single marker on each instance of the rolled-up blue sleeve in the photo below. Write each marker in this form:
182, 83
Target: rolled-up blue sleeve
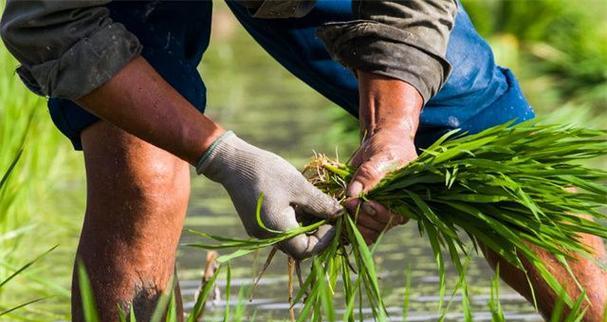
403, 39
66, 48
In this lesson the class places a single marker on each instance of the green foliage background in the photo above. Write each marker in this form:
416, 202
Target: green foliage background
562, 44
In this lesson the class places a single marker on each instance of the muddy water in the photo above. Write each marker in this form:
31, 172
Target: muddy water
262, 103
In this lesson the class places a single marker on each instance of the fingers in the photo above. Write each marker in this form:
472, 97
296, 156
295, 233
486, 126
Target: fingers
370, 223
314, 202
370, 236
373, 218
367, 176
371, 209
374, 211
303, 246
357, 158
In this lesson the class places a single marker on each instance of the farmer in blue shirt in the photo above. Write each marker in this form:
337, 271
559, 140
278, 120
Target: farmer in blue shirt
123, 87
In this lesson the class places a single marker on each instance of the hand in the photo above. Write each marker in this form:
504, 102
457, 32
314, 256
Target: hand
246, 172
383, 152
389, 117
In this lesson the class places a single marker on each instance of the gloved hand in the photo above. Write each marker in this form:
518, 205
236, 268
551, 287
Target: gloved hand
246, 171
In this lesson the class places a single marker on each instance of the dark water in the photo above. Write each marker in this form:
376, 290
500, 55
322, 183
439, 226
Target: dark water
262, 103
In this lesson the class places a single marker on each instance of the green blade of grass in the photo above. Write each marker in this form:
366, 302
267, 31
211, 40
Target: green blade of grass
25, 266
10, 169
89, 306
495, 306
198, 308
226, 315
22, 305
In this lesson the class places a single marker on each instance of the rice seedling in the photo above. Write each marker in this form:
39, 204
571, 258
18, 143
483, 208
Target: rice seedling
5, 311
89, 308
4, 179
576, 312
239, 309
28, 207
495, 307
504, 188
226, 316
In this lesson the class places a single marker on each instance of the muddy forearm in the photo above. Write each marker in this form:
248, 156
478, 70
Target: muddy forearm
140, 102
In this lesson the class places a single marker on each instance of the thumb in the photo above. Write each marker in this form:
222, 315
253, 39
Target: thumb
366, 177
302, 246
317, 203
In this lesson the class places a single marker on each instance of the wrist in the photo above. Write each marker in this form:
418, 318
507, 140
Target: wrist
212, 138
404, 129
214, 148
388, 104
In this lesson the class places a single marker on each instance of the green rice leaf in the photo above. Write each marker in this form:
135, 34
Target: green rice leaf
202, 297
89, 306
226, 313
505, 188
22, 305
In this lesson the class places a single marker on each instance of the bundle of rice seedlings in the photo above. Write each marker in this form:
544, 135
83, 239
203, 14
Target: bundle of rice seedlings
504, 188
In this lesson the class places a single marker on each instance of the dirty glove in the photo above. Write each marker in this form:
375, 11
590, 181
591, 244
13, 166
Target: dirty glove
246, 171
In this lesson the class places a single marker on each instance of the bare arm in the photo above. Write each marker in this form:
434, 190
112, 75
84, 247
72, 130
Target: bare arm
74, 50
588, 273
140, 102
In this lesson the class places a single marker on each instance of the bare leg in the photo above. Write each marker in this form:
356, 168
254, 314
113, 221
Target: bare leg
136, 203
592, 278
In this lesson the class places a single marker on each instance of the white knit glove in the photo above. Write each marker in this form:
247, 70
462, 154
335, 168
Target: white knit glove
246, 172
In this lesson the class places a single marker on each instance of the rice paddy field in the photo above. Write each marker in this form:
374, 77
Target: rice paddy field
558, 49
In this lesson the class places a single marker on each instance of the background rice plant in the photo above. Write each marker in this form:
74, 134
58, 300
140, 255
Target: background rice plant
28, 199
167, 304
561, 47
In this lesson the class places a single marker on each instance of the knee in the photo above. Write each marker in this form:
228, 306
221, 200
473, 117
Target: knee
125, 173
139, 212
152, 182
159, 182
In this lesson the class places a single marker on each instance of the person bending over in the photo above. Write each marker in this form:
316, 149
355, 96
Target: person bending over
123, 86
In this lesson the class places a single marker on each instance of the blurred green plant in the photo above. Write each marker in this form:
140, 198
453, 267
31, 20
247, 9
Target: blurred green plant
25, 208
556, 39
19, 271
